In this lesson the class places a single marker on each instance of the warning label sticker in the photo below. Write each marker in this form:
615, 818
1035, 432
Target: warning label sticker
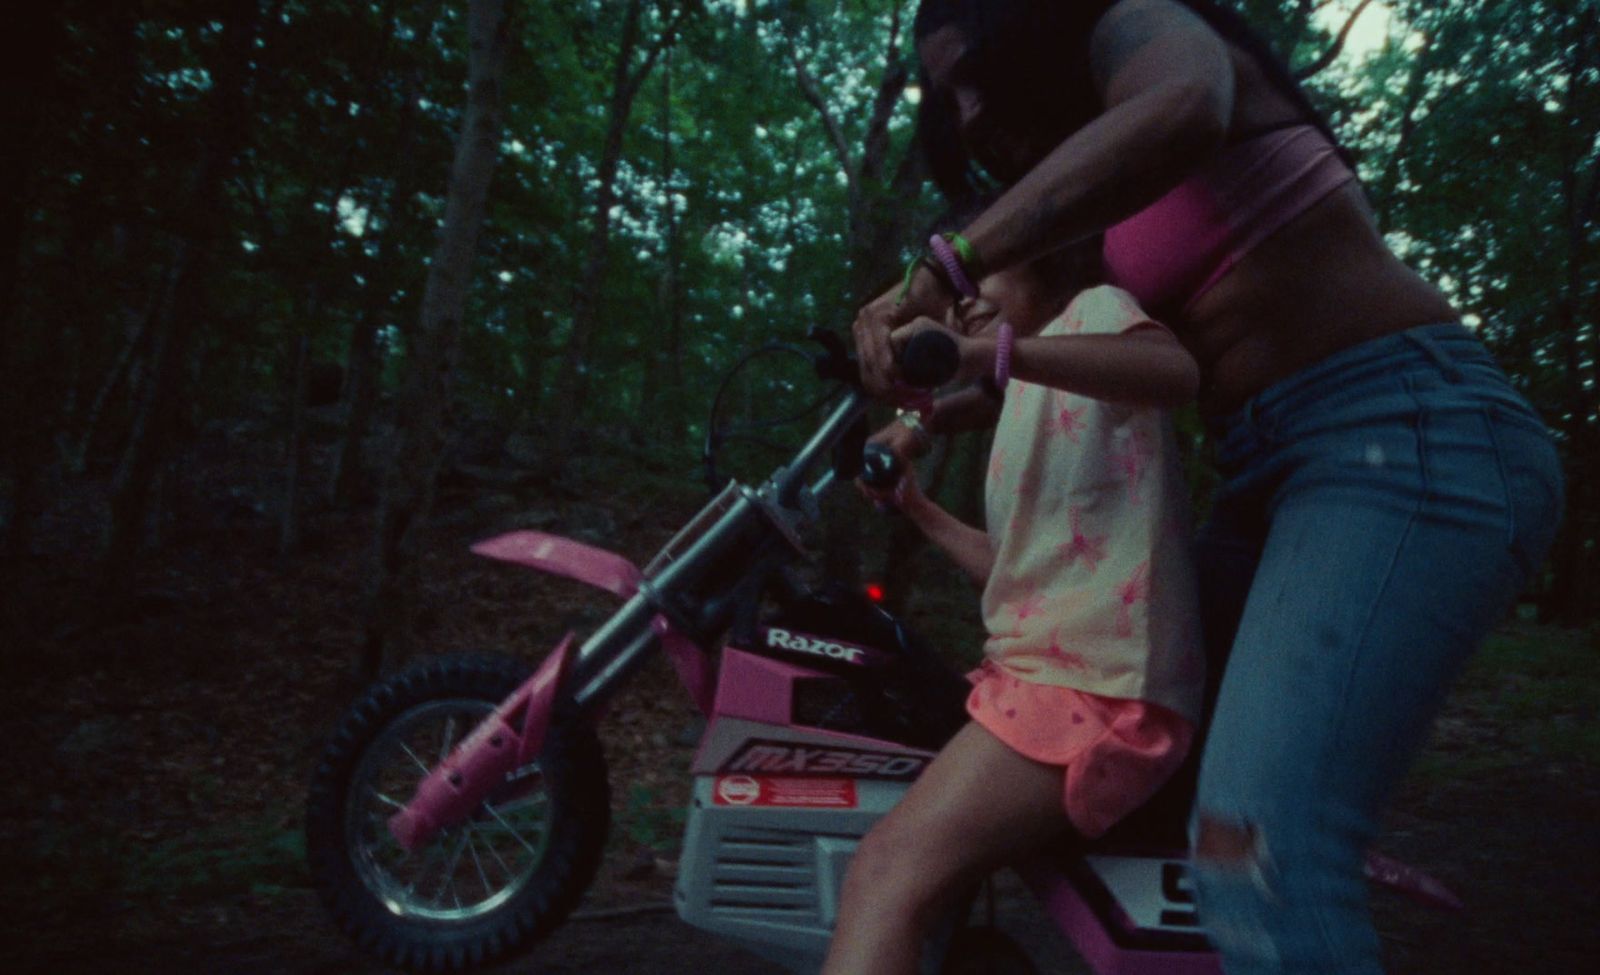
747, 790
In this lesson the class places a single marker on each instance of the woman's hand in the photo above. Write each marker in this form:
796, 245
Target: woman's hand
975, 353
877, 320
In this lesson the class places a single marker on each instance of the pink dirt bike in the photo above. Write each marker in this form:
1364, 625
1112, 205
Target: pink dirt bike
460, 808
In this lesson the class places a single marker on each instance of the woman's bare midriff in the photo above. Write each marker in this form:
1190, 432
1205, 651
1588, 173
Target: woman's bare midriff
1322, 283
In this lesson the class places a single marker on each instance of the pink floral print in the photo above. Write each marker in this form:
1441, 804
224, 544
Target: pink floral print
1131, 460
1135, 589
1072, 421
1091, 549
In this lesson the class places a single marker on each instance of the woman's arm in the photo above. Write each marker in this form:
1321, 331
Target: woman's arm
1167, 83
1144, 366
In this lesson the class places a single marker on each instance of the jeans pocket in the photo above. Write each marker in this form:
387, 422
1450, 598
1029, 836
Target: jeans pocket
1531, 472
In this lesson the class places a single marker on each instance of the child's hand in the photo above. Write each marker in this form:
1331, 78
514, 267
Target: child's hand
907, 438
906, 494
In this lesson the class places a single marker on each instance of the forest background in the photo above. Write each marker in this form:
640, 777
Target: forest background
225, 209
290, 288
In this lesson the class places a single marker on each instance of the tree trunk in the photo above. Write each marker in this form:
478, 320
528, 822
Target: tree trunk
363, 368
1386, 189
360, 396
295, 450
35, 38
663, 364
1574, 559
162, 395
572, 383
422, 418
874, 230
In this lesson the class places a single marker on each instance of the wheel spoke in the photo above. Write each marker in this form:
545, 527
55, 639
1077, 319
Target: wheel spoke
473, 867
397, 804
422, 868
448, 880
420, 763
523, 803
510, 873
512, 830
449, 738
472, 847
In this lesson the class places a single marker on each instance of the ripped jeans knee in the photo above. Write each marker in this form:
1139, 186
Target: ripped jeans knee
1234, 879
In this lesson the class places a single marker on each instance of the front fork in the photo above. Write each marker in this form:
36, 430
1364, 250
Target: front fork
514, 734
574, 682
733, 532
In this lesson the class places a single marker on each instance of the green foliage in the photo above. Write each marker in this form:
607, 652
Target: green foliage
647, 822
737, 214
1531, 697
260, 855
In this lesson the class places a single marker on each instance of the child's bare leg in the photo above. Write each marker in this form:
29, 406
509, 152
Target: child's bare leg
978, 804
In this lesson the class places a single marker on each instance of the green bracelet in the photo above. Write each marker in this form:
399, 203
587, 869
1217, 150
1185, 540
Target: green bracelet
911, 270
969, 255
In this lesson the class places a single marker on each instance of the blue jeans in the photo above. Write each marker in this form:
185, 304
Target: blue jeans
1379, 511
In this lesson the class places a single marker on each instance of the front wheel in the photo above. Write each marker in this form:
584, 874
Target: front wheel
483, 888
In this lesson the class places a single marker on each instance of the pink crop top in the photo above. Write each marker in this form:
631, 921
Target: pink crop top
1173, 251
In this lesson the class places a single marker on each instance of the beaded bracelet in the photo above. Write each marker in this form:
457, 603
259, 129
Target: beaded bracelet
944, 250
1002, 355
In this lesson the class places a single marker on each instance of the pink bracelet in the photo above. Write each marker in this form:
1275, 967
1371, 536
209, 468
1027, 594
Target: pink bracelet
946, 256
1002, 355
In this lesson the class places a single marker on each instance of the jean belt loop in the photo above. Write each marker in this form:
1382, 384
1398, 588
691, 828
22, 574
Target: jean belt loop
1448, 366
1255, 423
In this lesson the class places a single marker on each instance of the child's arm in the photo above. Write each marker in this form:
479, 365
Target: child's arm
1142, 366
966, 409
968, 546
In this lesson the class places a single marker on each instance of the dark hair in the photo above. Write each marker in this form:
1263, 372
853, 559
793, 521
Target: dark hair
1020, 48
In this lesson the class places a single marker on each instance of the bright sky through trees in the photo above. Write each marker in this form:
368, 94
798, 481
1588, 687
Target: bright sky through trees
1370, 29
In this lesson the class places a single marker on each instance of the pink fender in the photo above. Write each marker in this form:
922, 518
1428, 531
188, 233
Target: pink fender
616, 575
565, 557
508, 739
1416, 884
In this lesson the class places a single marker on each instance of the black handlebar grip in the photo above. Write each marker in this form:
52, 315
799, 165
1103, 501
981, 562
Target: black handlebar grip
930, 359
880, 468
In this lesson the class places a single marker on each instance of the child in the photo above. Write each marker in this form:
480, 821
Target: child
1090, 690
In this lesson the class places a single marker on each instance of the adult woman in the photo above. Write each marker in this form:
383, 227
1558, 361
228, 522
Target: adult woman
1365, 442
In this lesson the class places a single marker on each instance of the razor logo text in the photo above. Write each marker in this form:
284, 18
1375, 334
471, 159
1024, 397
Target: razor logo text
821, 648
776, 758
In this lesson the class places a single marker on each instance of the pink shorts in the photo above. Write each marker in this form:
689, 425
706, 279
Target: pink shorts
1115, 752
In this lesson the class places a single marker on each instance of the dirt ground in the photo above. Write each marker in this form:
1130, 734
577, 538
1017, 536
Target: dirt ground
156, 765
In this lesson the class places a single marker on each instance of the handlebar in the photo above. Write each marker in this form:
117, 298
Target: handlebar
930, 359
880, 468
